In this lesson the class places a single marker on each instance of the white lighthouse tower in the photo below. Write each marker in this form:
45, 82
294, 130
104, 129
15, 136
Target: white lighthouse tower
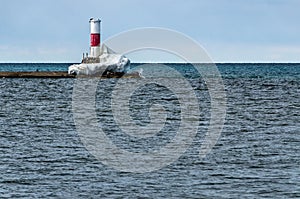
95, 37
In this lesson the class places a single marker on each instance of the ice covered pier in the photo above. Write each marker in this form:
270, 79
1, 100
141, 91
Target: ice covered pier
64, 74
36, 74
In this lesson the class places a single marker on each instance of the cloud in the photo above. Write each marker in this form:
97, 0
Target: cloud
221, 25
39, 54
255, 52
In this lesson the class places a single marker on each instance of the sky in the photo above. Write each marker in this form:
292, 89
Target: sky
229, 30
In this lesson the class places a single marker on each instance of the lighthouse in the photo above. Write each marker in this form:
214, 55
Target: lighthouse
101, 60
95, 37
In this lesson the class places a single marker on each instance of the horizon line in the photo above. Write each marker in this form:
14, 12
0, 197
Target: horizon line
230, 62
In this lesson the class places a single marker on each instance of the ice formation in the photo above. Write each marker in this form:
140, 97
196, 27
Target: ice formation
107, 62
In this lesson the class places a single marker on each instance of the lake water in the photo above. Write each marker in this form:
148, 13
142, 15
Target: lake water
256, 156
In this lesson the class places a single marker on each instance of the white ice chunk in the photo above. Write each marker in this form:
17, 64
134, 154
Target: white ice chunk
108, 61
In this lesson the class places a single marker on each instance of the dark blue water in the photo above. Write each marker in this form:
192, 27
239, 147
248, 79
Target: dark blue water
227, 69
257, 155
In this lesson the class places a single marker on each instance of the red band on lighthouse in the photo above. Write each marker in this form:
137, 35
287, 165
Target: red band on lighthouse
95, 40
